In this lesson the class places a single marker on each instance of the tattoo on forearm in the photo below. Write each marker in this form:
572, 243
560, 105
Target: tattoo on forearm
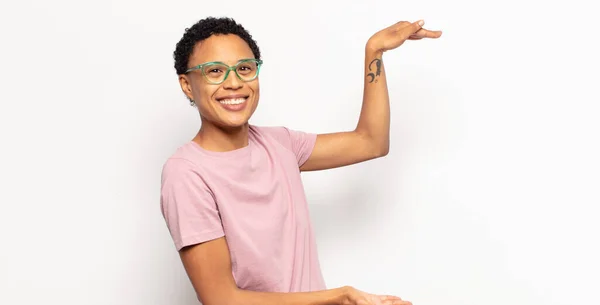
372, 75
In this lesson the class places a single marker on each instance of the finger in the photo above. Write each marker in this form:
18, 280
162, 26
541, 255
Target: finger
423, 33
401, 24
396, 302
389, 297
415, 36
416, 26
411, 28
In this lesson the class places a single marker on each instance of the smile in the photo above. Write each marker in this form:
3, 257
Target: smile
232, 101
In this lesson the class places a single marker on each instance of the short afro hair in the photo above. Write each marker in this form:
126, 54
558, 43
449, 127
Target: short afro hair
202, 30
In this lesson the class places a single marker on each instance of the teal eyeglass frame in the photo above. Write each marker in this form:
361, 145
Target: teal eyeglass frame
229, 69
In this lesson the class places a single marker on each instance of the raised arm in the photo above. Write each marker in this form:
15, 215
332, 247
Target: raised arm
208, 266
371, 137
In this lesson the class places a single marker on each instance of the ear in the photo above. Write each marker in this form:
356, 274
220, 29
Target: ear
186, 86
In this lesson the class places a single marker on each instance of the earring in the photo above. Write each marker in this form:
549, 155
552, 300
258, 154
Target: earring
192, 103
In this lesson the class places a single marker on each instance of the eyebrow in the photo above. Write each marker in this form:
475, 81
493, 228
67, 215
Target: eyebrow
219, 61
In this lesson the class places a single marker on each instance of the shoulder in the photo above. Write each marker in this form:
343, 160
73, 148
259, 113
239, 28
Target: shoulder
299, 143
184, 162
282, 134
279, 133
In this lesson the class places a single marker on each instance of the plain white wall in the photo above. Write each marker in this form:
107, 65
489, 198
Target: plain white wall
489, 196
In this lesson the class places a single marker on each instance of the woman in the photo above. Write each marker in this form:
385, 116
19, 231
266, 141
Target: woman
232, 197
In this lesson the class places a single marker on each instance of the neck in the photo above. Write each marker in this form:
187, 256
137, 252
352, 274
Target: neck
214, 138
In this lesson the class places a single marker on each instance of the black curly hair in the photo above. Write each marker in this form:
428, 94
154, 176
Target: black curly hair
203, 29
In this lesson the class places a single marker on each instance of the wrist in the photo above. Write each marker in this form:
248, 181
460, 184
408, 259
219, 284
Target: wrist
371, 50
341, 295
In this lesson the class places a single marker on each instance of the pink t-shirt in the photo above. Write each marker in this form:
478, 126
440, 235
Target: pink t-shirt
255, 198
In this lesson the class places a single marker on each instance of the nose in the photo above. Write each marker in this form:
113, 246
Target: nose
232, 81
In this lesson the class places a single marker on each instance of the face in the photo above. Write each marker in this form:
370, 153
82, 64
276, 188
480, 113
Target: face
231, 103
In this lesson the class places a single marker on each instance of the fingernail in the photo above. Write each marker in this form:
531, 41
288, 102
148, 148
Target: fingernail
421, 22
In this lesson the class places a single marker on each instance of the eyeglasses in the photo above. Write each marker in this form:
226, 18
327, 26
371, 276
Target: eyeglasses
216, 72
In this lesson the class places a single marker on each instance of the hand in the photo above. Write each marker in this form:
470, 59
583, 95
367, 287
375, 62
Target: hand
395, 35
356, 297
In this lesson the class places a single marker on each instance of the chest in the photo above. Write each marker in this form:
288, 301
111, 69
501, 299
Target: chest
260, 191
264, 212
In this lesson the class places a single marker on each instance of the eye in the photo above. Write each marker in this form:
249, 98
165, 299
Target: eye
245, 68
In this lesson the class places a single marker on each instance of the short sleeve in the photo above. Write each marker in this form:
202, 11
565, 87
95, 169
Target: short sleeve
299, 142
187, 205
302, 144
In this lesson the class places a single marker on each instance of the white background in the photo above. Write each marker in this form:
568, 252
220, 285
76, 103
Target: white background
489, 195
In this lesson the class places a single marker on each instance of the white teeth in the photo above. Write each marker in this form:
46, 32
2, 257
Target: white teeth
235, 101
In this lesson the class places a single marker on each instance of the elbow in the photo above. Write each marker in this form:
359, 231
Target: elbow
379, 150
382, 147
227, 297
379, 146
383, 151
221, 301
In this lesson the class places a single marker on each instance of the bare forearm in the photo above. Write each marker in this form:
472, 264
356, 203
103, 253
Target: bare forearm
374, 121
324, 297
